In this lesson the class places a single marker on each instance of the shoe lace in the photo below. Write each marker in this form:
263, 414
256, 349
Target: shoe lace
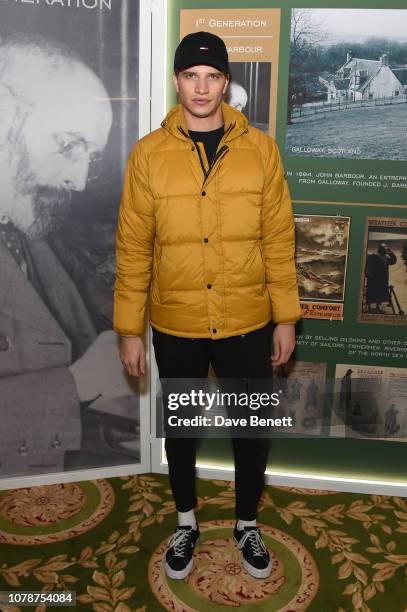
255, 542
178, 541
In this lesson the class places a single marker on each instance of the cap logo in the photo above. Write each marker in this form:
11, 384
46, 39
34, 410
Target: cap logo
204, 48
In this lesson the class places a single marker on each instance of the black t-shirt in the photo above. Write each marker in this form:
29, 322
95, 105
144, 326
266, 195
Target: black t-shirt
210, 141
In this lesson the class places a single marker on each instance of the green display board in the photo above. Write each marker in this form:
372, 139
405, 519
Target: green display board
335, 79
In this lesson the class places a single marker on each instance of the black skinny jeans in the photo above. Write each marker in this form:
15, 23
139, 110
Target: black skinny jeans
239, 356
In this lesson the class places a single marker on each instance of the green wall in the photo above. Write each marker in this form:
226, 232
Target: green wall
356, 458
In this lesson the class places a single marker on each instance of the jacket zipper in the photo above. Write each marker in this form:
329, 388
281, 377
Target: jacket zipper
200, 159
222, 151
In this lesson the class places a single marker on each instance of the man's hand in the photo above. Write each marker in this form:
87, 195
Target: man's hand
284, 343
133, 355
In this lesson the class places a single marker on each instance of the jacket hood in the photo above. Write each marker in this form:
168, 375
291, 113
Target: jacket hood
235, 122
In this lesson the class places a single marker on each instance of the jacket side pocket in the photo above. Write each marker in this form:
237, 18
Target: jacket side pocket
260, 247
155, 290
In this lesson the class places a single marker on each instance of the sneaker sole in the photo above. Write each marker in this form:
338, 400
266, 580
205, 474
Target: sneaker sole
257, 573
253, 571
179, 574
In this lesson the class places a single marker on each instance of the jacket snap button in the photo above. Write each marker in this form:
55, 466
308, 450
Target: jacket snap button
203, 193
192, 148
5, 342
214, 331
209, 285
206, 240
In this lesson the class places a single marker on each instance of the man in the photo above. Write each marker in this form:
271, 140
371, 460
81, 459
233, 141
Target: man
345, 394
206, 216
377, 277
390, 422
55, 119
311, 396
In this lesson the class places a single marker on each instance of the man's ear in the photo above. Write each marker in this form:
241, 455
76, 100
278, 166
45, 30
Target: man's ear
8, 111
226, 84
175, 81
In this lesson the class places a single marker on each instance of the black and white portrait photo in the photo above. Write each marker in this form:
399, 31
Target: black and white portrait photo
68, 119
249, 91
369, 401
302, 385
347, 91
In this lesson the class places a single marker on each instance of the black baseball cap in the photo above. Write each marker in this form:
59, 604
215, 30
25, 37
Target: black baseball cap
201, 48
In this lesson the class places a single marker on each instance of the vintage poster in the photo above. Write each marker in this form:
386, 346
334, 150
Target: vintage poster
347, 83
252, 38
321, 259
69, 117
383, 283
370, 401
301, 385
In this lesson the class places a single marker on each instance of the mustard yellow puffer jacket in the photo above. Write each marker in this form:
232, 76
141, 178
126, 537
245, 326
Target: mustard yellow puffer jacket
218, 249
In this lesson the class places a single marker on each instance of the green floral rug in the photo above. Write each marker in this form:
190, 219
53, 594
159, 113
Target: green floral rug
105, 539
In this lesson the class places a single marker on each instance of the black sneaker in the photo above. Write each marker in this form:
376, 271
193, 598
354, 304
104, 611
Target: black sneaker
178, 558
256, 558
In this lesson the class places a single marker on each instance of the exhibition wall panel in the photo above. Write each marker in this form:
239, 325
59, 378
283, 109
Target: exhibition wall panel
75, 82
330, 83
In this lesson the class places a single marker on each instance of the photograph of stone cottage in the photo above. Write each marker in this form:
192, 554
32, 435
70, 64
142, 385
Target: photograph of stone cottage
347, 88
364, 79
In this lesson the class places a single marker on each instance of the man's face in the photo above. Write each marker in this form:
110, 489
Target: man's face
200, 89
52, 149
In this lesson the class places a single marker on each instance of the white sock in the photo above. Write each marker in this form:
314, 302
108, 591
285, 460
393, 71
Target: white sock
242, 524
187, 518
